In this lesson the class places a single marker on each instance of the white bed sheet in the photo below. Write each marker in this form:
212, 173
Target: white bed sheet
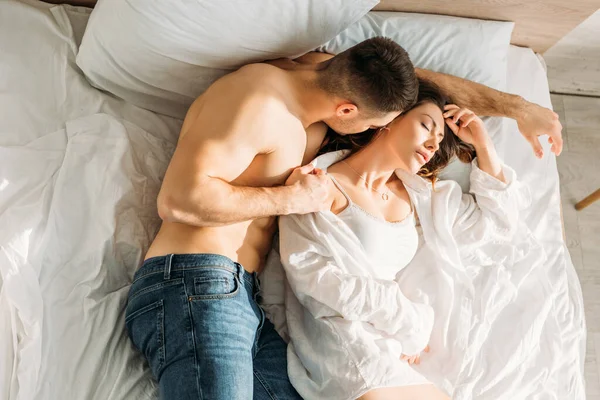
543, 357
79, 174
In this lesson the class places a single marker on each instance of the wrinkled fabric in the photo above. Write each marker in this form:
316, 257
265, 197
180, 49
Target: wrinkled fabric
348, 329
80, 170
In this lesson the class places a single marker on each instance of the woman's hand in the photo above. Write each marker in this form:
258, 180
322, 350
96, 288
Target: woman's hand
467, 126
470, 129
416, 359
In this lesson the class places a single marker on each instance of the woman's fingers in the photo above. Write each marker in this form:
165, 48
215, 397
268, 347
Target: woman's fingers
451, 107
462, 112
452, 125
426, 350
467, 120
451, 112
457, 113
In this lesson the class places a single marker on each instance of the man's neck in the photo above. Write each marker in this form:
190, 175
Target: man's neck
311, 103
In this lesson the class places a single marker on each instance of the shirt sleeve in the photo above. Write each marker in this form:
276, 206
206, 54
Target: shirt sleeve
327, 290
490, 213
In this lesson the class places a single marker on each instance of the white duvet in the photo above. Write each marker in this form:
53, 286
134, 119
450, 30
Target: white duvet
79, 174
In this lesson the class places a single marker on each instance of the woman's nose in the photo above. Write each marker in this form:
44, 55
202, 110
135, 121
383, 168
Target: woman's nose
432, 145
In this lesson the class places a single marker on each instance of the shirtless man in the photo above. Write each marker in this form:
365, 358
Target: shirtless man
193, 307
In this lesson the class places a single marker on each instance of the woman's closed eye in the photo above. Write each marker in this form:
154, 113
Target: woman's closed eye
425, 126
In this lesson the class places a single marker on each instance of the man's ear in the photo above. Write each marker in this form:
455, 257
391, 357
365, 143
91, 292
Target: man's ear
346, 110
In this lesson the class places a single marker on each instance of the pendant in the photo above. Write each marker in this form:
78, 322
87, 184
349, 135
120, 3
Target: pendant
385, 196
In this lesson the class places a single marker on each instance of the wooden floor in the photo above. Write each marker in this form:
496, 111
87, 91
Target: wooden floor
574, 62
579, 169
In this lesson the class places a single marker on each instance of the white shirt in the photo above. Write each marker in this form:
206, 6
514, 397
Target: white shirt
346, 328
389, 245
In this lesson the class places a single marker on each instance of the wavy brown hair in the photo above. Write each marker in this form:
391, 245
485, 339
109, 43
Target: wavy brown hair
451, 146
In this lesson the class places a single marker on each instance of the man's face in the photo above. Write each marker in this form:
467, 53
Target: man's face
356, 123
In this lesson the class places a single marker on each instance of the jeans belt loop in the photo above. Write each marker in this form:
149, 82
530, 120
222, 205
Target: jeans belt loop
240, 272
168, 261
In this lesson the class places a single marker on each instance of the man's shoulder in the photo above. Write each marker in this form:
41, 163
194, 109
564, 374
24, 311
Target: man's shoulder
261, 71
249, 81
252, 88
264, 87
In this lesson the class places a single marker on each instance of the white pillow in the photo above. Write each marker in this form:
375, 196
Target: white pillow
161, 55
469, 48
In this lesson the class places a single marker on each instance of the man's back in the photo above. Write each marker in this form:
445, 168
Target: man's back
240, 131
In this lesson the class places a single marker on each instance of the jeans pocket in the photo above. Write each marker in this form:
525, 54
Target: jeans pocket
147, 289
215, 284
145, 326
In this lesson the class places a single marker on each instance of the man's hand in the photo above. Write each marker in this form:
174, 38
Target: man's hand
535, 121
311, 190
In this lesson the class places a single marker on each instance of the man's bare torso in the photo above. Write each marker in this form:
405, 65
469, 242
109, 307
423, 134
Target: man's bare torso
286, 144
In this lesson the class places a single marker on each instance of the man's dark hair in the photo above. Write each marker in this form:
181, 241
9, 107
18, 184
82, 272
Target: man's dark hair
376, 75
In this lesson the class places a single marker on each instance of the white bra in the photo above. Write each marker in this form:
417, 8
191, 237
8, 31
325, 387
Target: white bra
390, 245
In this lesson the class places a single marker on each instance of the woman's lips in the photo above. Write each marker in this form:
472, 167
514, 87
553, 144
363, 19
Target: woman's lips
422, 157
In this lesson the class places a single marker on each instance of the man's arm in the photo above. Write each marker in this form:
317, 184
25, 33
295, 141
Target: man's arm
482, 100
196, 192
533, 120
197, 188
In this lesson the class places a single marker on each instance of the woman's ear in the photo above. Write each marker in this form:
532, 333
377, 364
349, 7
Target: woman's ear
346, 110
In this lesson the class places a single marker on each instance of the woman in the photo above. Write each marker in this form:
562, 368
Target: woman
352, 332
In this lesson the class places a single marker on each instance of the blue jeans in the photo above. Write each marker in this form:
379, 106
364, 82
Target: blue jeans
196, 319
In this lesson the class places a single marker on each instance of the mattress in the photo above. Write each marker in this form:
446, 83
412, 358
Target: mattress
79, 175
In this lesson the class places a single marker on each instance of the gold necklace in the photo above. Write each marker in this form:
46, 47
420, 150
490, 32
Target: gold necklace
384, 195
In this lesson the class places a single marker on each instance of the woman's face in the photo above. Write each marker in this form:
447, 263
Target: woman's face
416, 135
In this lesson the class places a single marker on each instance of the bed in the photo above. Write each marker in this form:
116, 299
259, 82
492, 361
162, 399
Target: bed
79, 173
